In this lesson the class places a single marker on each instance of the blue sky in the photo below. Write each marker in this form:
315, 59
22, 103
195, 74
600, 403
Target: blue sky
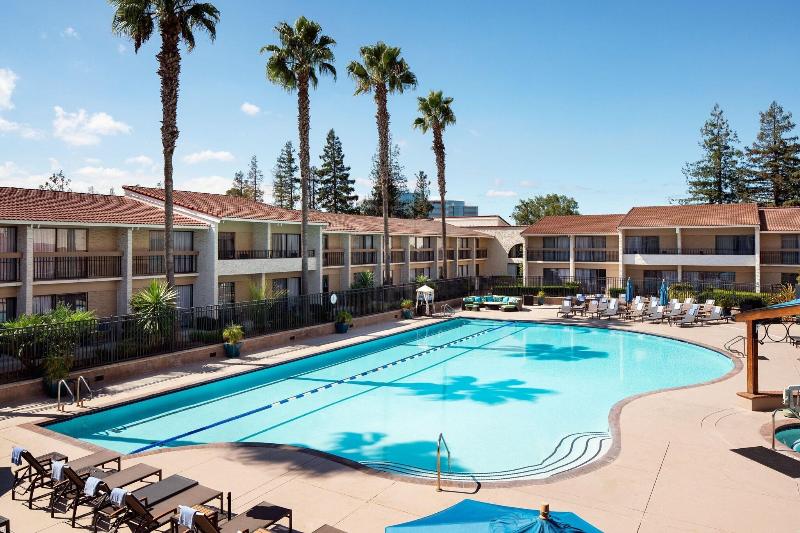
602, 101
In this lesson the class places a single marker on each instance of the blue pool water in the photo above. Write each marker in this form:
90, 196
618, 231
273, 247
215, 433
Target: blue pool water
514, 400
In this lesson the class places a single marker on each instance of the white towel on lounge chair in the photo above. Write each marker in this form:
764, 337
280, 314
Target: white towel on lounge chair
16, 455
186, 516
57, 470
90, 487
117, 497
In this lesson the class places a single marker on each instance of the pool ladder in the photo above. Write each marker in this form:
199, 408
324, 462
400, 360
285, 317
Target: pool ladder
446, 310
439, 443
62, 384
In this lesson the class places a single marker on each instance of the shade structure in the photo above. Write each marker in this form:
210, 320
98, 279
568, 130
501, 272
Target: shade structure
629, 290
663, 293
425, 297
472, 516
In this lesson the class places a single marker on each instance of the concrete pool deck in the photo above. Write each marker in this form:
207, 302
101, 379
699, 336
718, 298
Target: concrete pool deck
692, 459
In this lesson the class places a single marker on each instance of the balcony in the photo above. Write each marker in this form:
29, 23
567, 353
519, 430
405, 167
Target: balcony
398, 256
549, 254
711, 257
421, 255
595, 255
155, 264
76, 267
465, 254
688, 251
785, 256
224, 255
481, 253
451, 254
9, 269
364, 257
332, 258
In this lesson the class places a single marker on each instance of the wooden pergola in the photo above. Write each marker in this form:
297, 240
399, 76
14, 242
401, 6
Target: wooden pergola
761, 400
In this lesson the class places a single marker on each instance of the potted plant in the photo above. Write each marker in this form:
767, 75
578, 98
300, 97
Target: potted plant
406, 306
726, 303
343, 321
56, 368
540, 297
233, 335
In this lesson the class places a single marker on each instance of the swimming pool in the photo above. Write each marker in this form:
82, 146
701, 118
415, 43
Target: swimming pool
514, 400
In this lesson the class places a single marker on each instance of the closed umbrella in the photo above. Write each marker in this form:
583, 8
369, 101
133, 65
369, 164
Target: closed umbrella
629, 290
663, 293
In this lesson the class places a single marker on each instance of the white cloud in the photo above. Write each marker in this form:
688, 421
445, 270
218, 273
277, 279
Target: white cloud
215, 184
493, 193
83, 129
23, 130
207, 155
92, 161
527, 183
96, 172
70, 32
139, 160
102, 179
12, 175
250, 109
8, 81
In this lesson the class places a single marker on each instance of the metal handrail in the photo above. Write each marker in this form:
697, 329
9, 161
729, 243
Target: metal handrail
439, 443
72, 396
81, 379
729, 345
446, 310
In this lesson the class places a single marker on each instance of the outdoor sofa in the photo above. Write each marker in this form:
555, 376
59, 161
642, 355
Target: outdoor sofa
503, 303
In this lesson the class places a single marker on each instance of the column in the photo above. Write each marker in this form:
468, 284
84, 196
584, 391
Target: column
572, 257
758, 260
621, 252
679, 239
25, 247
525, 260
474, 256
206, 287
405, 277
125, 287
455, 258
261, 235
315, 263
437, 242
347, 275
379, 262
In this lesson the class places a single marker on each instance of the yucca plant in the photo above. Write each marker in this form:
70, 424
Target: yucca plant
154, 307
364, 280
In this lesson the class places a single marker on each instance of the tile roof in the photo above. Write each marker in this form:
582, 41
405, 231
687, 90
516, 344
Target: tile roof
575, 224
73, 207
224, 206
779, 218
670, 216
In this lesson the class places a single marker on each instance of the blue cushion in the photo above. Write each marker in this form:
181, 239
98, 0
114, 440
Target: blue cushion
505, 299
477, 300
468, 300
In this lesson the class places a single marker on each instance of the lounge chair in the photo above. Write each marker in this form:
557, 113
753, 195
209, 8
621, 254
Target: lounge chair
512, 304
638, 311
566, 309
714, 316
39, 475
675, 311
143, 517
593, 308
707, 307
326, 529
657, 315
690, 318
612, 310
71, 493
258, 517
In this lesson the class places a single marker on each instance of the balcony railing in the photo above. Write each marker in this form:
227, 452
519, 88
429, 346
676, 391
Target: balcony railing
332, 258
76, 267
465, 254
688, 251
481, 253
9, 269
398, 256
364, 257
421, 255
594, 255
155, 264
780, 257
555, 254
262, 254
451, 254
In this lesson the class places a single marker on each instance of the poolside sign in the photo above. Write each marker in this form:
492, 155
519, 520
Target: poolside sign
333, 299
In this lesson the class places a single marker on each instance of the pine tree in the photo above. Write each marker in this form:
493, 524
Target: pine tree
775, 159
397, 187
336, 192
717, 177
421, 205
285, 184
254, 180
313, 188
57, 182
239, 187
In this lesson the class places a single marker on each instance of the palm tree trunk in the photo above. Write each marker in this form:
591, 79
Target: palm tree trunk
304, 125
382, 118
169, 68
438, 150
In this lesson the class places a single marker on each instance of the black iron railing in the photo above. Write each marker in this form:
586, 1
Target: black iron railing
398, 256
593, 255
262, 254
481, 253
556, 254
9, 269
76, 267
465, 254
688, 251
421, 255
155, 264
333, 258
780, 257
364, 257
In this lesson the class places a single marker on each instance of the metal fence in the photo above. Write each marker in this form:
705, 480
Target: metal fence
123, 338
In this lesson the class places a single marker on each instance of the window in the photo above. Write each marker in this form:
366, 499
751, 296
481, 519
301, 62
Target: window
555, 275
642, 245
515, 251
288, 286
422, 272
227, 292
791, 242
182, 241
592, 279
463, 243
590, 248
44, 304
477, 269
285, 245
71, 240
669, 275
364, 242
8, 309
325, 241
44, 239
709, 277
463, 271
420, 243
561, 242
735, 244
185, 298
8, 239
226, 245
325, 283
590, 242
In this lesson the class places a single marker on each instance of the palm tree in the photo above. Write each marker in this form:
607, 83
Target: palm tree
383, 72
303, 52
176, 21
436, 115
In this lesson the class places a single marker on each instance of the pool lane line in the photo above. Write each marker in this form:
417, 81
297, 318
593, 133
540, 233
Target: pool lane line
262, 385
314, 390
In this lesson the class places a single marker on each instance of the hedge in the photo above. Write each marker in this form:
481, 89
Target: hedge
549, 290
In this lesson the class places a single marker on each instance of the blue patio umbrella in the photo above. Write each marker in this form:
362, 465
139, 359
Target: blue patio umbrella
472, 516
663, 293
629, 290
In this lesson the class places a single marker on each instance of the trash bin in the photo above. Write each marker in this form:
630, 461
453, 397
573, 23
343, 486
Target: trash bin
527, 299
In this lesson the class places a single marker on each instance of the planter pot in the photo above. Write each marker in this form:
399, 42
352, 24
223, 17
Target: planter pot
341, 327
232, 350
540, 300
407, 313
51, 389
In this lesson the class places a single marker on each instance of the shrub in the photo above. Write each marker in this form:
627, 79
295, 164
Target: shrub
682, 291
344, 317
154, 307
406, 304
549, 290
233, 334
614, 292
364, 280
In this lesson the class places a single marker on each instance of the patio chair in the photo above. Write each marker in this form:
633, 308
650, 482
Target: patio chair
638, 311
612, 310
566, 309
258, 517
143, 517
675, 311
71, 493
690, 318
593, 308
655, 316
714, 316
